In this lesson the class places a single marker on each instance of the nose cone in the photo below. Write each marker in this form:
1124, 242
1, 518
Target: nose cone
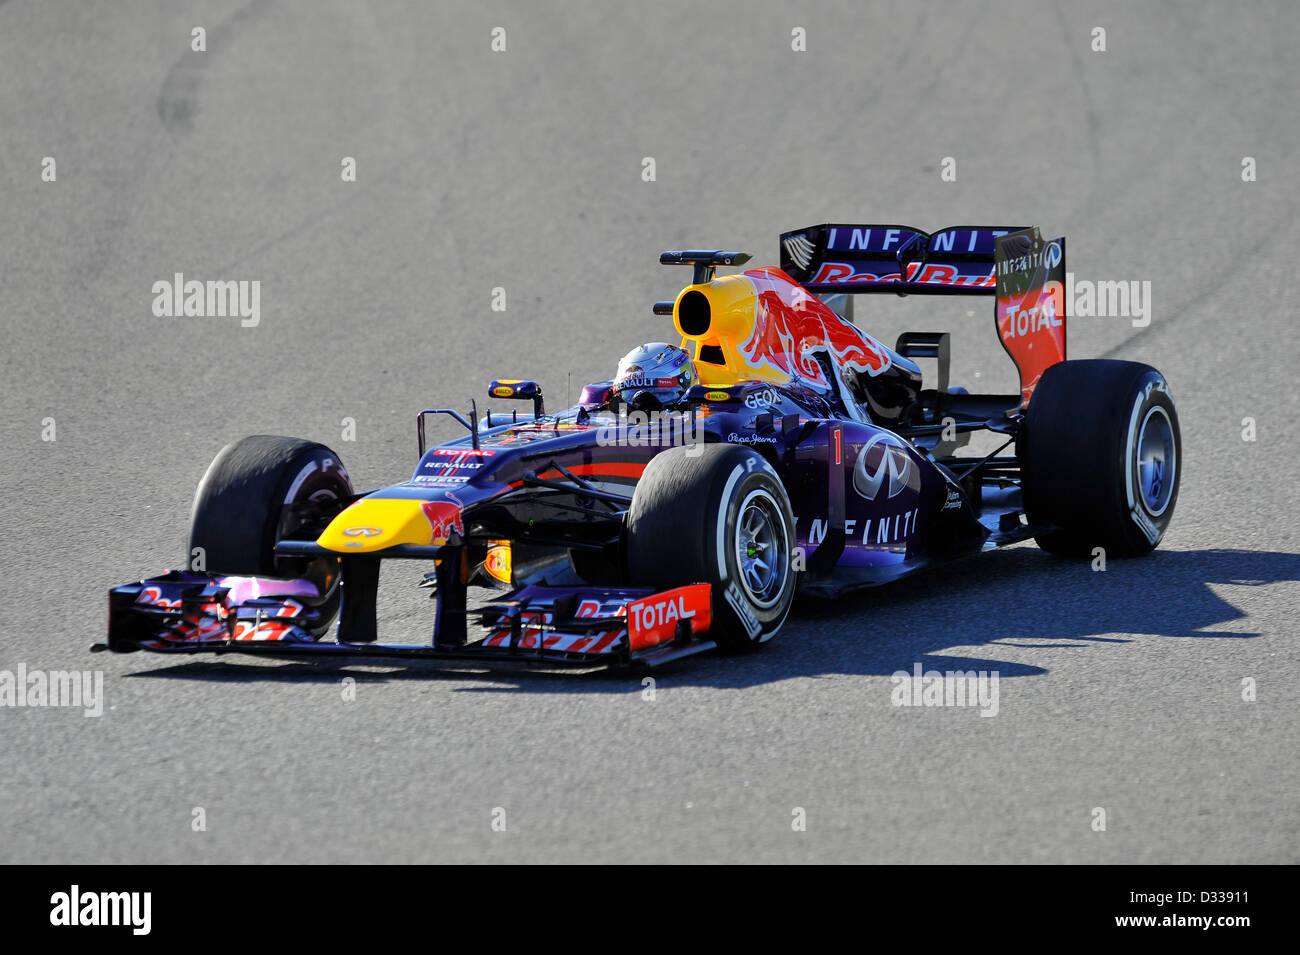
374, 524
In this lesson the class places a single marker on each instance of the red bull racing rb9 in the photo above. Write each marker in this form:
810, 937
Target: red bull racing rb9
765, 448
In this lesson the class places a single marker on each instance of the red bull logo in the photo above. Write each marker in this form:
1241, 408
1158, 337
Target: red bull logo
846, 273
444, 518
790, 324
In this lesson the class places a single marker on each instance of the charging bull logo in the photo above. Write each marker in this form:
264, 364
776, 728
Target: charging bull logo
892, 461
444, 518
786, 333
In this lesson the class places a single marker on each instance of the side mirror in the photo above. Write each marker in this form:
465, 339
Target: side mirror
519, 391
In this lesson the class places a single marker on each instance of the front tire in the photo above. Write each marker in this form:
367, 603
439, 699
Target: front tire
261, 490
717, 514
1101, 457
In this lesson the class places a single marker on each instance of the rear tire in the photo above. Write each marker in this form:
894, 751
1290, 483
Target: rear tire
241, 510
717, 514
1101, 457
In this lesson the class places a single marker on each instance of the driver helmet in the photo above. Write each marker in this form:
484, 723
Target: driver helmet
654, 376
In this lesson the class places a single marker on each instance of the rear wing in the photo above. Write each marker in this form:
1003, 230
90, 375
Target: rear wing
1024, 271
958, 260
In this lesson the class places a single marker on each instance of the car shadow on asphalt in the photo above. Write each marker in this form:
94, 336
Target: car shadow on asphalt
1019, 597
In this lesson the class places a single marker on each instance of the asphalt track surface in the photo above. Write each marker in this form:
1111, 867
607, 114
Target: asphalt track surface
522, 169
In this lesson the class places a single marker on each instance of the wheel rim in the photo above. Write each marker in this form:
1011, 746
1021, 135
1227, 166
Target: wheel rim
761, 548
322, 572
1157, 461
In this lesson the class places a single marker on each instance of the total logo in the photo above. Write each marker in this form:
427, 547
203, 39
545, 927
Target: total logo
648, 616
1016, 322
654, 620
465, 452
894, 461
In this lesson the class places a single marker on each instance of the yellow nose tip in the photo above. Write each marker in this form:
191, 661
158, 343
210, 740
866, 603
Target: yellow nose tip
373, 524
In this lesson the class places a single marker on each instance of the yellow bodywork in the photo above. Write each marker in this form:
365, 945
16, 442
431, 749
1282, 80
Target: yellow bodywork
373, 524
732, 304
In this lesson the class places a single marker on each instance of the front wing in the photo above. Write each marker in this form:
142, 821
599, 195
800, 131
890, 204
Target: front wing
184, 612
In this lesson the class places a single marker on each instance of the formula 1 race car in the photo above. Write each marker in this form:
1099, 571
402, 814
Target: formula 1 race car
680, 506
